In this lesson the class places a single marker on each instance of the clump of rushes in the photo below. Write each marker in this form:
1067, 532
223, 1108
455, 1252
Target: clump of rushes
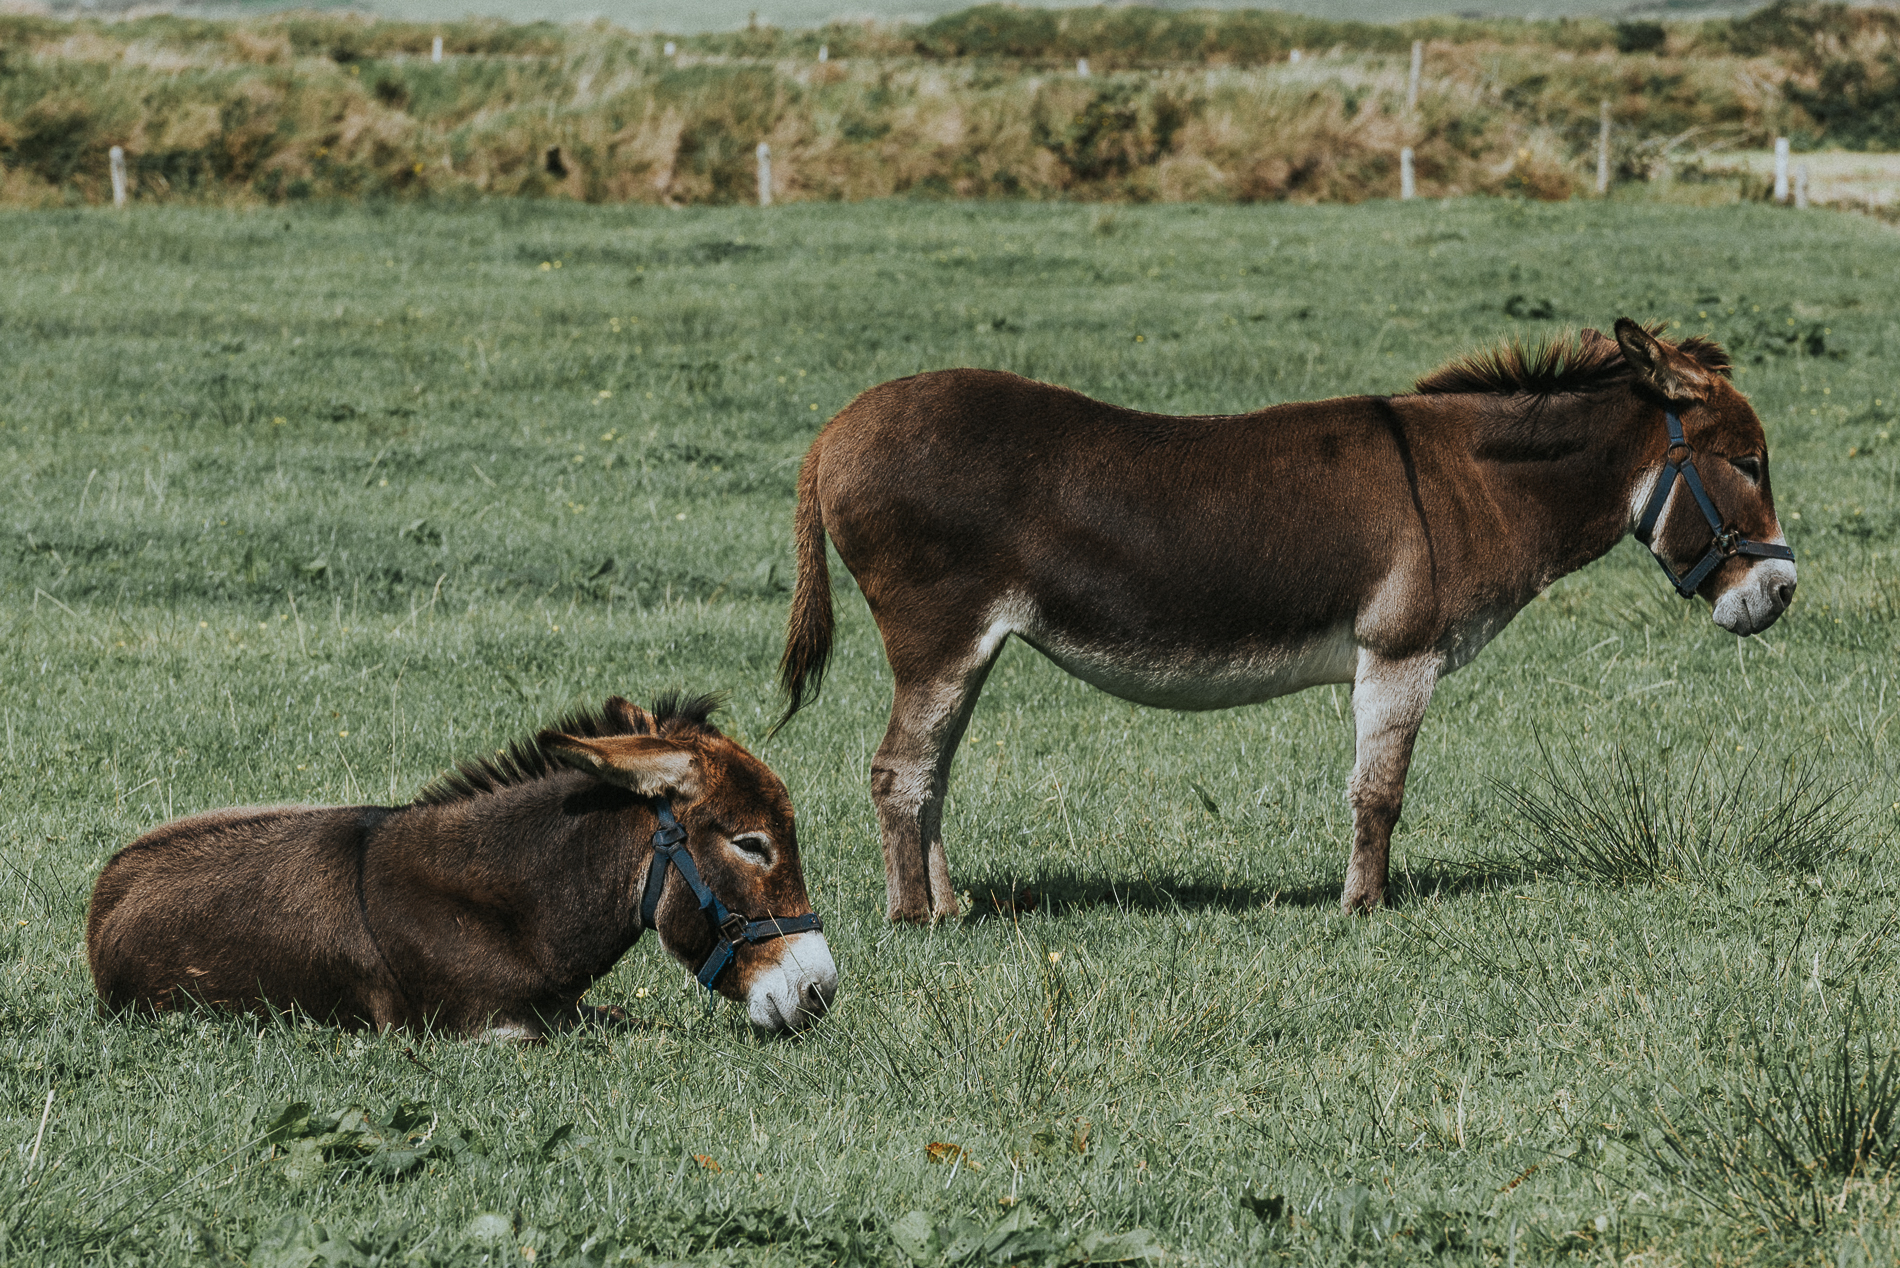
1645, 818
1787, 1143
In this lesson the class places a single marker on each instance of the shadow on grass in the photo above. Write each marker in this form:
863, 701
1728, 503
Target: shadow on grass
1066, 892
1452, 878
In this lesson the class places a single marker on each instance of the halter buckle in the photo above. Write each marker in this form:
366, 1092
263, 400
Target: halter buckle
733, 926
1727, 542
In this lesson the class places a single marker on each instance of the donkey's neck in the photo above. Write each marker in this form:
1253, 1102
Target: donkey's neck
1564, 472
564, 848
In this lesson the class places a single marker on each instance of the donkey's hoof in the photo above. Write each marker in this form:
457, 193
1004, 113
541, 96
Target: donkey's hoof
607, 1015
1361, 902
909, 915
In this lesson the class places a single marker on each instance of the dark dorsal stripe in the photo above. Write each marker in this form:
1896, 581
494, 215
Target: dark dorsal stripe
527, 760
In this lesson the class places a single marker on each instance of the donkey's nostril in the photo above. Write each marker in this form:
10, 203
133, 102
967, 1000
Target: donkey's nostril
812, 1000
1784, 594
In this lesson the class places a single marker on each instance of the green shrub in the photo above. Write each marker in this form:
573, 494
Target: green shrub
1641, 37
1856, 102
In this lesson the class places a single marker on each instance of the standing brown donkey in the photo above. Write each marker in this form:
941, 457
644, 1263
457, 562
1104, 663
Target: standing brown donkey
1198, 563
489, 904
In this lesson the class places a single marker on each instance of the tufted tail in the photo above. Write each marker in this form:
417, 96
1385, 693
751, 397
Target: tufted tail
808, 628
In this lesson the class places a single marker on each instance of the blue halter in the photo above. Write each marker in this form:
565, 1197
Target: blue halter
1727, 543
729, 928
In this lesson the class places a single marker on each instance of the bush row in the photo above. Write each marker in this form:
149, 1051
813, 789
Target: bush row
983, 103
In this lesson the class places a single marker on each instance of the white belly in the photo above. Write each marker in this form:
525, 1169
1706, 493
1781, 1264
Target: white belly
1197, 680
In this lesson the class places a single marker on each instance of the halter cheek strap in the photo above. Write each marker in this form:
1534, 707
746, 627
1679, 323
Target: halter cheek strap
1727, 542
729, 928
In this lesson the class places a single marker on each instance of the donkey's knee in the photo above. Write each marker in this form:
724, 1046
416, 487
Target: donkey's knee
512, 1032
887, 781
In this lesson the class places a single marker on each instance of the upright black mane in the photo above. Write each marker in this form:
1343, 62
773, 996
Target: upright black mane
1559, 364
525, 761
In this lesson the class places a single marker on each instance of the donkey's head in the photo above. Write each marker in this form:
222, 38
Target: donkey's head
1724, 544
743, 844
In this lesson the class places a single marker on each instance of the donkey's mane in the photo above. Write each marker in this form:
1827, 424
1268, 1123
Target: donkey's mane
1562, 363
527, 760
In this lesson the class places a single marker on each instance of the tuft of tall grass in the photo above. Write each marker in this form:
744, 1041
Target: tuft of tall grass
1788, 1141
1645, 818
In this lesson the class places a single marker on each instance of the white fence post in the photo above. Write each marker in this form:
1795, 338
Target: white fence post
1408, 187
1603, 149
1781, 169
1082, 67
671, 48
765, 174
1293, 58
824, 52
435, 52
1801, 186
1418, 65
118, 176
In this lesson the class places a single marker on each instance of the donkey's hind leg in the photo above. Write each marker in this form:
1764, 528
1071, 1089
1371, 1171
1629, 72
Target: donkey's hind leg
911, 772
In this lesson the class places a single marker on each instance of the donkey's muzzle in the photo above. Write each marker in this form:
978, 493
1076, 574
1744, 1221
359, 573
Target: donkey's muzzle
798, 990
1758, 599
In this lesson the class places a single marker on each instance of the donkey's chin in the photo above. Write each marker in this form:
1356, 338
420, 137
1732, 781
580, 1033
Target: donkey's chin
1758, 600
796, 991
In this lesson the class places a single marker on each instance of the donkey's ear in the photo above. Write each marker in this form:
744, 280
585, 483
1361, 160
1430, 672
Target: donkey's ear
1676, 376
646, 764
629, 717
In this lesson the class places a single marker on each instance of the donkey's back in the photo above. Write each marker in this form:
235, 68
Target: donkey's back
238, 906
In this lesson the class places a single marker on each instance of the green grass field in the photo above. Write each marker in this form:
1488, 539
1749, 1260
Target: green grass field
309, 505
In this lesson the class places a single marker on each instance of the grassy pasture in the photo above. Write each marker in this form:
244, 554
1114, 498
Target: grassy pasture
308, 504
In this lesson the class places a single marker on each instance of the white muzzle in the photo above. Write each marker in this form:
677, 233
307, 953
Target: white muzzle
1763, 594
796, 991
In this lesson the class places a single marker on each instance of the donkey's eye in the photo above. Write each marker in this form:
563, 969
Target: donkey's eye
1750, 467
755, 845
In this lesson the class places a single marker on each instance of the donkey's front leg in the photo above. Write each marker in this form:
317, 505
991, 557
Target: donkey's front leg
1388, 703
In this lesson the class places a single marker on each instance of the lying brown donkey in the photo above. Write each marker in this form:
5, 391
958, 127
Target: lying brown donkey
1198, 563
489, 904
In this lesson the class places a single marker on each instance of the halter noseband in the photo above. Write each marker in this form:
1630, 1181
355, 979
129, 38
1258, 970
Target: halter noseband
729, 928
1728, 542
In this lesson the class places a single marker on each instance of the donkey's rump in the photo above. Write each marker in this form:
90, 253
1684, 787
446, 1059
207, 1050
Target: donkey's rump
239, 907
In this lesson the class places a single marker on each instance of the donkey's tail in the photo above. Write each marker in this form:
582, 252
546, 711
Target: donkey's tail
808, 628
